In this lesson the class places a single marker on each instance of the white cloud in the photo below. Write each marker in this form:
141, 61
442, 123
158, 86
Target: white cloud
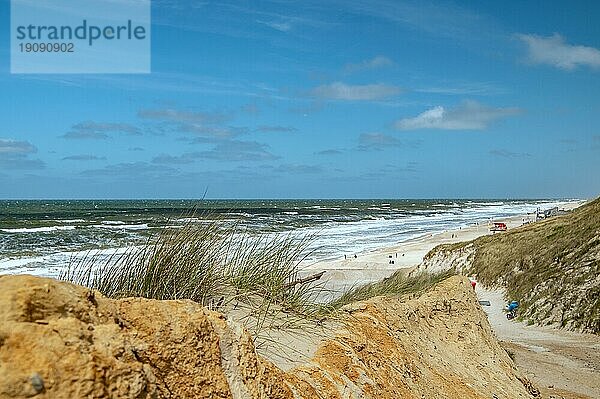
282, 26
379, 61
469, 115
186, 158
276, 129
299, 169
329, 152
235, 150
84, 157
211, 132
99, 131
14, 155
377, 140
175, 115
553, 50
462, 89
343, 91
9, 146
502, 153
206, 125
133, 170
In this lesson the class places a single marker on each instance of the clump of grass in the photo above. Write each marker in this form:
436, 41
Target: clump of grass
398, 283
210, 263
269, 267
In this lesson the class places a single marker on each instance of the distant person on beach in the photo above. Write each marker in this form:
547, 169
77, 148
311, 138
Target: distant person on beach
354, 256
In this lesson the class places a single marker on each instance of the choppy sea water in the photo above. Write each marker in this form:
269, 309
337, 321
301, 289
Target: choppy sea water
42, 237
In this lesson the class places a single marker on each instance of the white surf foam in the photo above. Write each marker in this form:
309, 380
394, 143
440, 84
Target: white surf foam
143, 226
38, 229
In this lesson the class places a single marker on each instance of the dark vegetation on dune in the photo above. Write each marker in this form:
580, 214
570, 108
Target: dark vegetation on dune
398, 283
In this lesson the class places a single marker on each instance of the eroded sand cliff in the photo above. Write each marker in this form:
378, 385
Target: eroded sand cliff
59, 340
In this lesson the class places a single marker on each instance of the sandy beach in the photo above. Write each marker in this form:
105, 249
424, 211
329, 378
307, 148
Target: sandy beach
355, 269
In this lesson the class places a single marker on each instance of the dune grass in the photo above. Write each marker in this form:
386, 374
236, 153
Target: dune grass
398, 283
210, 263
551, 267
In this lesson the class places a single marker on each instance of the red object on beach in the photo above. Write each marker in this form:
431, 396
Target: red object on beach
473, 283
498, 226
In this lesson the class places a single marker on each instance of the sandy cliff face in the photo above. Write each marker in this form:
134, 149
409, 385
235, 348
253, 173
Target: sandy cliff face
439, 260
58, 340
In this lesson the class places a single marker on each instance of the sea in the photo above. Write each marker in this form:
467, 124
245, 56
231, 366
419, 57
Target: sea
42, 237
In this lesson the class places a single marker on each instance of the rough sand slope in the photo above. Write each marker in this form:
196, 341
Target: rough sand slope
58, 340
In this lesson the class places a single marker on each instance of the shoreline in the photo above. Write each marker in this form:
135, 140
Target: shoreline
366, 267
369, 265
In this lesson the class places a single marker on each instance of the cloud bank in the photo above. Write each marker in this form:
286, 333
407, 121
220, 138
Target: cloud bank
376, 141
502, 153
469, 115
14, 155
343, 91
83, 157
99, 131
379, 61
554, 51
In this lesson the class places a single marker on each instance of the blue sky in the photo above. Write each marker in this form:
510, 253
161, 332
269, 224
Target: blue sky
321, 99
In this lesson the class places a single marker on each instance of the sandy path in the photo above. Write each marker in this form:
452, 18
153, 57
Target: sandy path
562, 364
